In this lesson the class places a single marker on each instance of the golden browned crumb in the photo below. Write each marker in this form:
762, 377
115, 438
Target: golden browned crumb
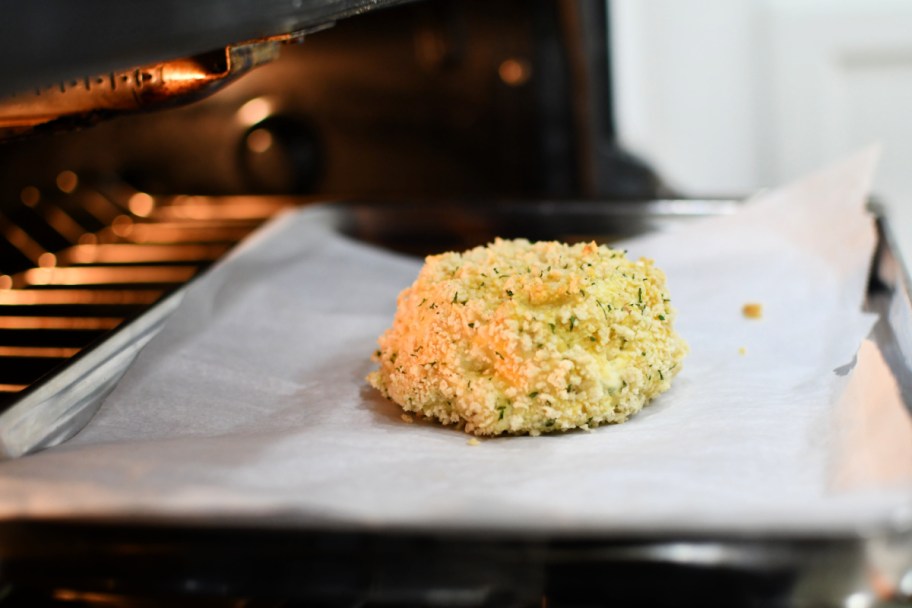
752, 310
407, 419
520, 337
473, 442
742, 351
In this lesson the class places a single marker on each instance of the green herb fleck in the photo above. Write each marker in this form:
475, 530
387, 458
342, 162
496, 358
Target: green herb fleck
553, 328
640, 295
573, 321
510, 293
501, 410
423, 300
592, 338
498, 354
533, 394
661, 375
550, 422
472, 324
455, 295
661, 317
602, 306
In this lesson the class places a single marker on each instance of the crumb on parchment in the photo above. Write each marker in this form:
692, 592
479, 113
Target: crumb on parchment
752, 310
530, 338
473, 441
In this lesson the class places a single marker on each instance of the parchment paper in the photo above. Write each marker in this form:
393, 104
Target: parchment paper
251, 404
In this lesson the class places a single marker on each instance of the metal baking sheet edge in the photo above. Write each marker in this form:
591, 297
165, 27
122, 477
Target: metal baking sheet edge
58, 408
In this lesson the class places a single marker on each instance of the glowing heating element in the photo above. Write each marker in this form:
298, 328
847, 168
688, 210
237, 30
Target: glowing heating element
82, 323
102, 275
87, 100
38, 352
68, 297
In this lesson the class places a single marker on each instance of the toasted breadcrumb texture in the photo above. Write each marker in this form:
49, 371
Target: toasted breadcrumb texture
529, 338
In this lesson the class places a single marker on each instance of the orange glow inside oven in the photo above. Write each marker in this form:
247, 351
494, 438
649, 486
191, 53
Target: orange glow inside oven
101, 275
38, 297
85, 323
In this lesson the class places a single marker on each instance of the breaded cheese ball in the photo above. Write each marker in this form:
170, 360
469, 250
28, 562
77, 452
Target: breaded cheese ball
529, 338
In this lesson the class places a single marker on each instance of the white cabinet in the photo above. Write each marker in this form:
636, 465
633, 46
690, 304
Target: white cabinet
726, 96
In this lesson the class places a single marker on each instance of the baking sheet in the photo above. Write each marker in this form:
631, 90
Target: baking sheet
251, 404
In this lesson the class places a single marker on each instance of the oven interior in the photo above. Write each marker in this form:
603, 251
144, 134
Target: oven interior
105, 211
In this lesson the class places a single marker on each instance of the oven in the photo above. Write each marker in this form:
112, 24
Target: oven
121, 186
143, 141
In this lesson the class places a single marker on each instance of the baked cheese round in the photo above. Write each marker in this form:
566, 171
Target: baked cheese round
529, 338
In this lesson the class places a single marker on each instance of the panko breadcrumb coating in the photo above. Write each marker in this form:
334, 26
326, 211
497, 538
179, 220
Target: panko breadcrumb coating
519, 337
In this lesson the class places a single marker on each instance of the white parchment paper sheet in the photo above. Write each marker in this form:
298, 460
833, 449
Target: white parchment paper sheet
251, 403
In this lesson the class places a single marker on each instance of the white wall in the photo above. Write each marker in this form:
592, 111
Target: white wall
726, 96
684, 90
